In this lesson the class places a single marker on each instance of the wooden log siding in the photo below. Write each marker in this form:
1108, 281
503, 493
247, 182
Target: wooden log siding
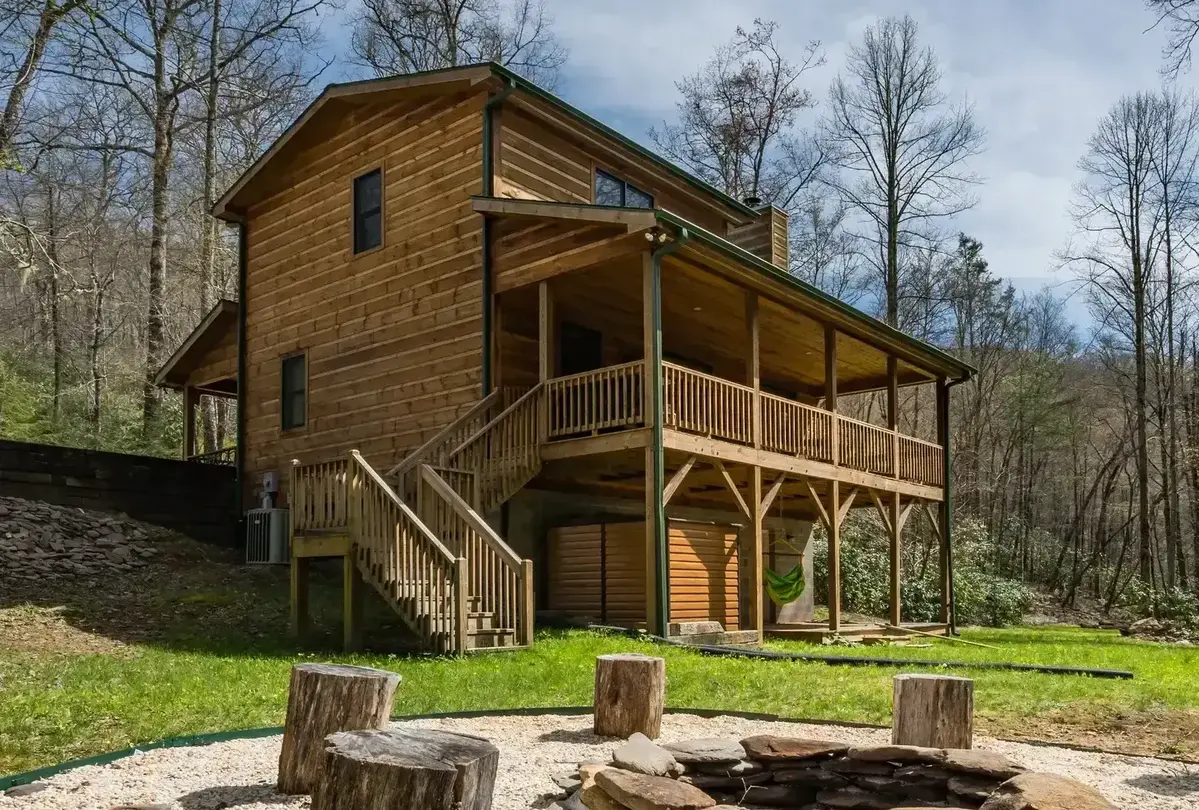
319, 498
796, 429
597, 400
866, 447
393, 336
921, 461
701, 403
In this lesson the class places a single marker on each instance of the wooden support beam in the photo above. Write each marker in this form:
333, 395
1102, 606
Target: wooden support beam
756, 605
299, 597
893, 410
772, 493
545, 332
657, 576
896, 536
816, 499
753, 370
351, 604
677, 479
883, 514
846, 505
834, 557
191, 402
830, 386
903, 514
732, 485
946, 516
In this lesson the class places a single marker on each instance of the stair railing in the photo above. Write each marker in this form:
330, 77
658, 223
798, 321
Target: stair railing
405, 561
505, 454
498, 579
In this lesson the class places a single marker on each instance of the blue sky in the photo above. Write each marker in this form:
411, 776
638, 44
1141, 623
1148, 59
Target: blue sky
1039, 72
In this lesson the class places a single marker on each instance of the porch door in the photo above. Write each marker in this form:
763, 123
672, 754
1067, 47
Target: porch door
580, 349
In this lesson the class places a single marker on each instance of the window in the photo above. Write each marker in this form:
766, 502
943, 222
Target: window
293, 391
368, 211
611, 190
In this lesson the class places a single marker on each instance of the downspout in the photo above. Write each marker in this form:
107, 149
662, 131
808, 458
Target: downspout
240, 468
654, 370
489, 191
948, 495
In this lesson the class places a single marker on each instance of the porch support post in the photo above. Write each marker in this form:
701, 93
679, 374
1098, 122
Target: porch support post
830, 388
753, 366
757, 614
299, 596
944, 519
191, 399
656, 590
545, 331
351, 609
893, 411
833, 509
896, 526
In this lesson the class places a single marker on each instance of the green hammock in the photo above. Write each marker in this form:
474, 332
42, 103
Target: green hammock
785, 588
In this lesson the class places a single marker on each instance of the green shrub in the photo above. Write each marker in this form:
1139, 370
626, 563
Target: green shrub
981, 598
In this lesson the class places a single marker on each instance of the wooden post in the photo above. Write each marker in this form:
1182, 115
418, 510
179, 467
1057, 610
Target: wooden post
944, 518
322, 699
630, 691
933, 711
351, 603
830, 389
896, 527
753, 363
893, 411
461, 606
545, 332
416, 767
299, 597
656, 590
756, 604
834, 556
191, 399
529, 601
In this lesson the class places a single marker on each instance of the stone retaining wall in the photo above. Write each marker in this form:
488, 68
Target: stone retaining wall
199, 500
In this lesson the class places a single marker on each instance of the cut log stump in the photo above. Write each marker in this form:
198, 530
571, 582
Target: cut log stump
933, 711
325, 698
417, 768
630, 690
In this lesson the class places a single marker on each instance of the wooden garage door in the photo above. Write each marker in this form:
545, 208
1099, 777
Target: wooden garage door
575, 586
703, 574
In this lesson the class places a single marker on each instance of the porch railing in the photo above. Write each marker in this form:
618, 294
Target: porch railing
796, 429
866, 447
921, 461
594, 401
226, 456
700, 403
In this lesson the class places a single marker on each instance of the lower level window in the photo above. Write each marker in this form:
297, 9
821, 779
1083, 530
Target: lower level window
293, 394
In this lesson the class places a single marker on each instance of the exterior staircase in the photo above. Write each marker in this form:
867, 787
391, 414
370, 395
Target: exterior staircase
422, 542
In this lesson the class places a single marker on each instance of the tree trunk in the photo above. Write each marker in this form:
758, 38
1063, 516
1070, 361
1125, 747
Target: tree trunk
325, 698
23, 79
630, 690
209, 231
160, 184
416, 768
933, 711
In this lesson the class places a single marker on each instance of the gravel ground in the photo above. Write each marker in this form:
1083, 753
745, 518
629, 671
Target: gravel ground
240, 774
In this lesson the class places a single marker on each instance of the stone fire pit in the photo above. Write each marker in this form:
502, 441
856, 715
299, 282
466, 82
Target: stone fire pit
790, 772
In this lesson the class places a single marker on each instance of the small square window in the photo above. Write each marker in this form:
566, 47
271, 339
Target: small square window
368, 211
293, 393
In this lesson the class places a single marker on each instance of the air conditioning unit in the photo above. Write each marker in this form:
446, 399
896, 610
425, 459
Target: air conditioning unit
266, 536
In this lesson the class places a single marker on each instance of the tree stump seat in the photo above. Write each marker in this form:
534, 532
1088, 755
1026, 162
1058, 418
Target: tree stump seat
630, 691
425, 768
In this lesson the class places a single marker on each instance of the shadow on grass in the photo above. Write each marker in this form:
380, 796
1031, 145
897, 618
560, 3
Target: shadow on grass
194, 598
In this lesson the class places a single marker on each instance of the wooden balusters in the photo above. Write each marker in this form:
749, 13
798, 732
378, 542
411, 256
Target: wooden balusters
701, 403
921, 461
604, 399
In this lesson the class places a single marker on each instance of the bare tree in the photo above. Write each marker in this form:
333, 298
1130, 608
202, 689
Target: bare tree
738, 119
899, 144
1180, 18
822, 250
407, 36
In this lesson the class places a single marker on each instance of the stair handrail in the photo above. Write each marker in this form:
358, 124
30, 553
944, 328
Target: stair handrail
515, 593
532, 392
421, 454
437, 581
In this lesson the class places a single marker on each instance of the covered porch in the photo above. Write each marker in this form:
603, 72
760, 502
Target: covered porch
678, 369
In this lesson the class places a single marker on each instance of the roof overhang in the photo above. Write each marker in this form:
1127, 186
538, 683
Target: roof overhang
220, 321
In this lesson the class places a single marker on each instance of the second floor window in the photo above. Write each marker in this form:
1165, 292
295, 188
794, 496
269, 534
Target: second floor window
611, 190
293, 391
368, 211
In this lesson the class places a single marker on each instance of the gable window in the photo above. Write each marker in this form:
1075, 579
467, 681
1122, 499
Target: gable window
293, 391
611, 190
368, 211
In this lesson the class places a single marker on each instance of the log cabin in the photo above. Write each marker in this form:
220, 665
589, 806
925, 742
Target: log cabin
502, 359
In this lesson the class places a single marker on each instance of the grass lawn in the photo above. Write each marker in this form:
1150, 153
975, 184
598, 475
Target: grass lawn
83, 672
